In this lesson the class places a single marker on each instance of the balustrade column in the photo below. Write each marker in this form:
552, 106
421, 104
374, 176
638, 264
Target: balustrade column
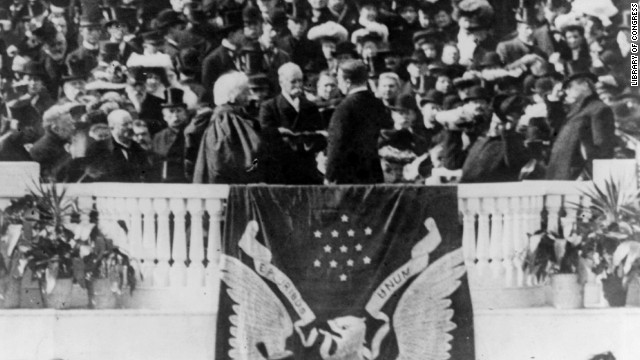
195, 273
519, 238
148, 251
178, 271
163, 243
135, 228
508, 231
494, 206
553, 205
214, 244
469, 209
484, 241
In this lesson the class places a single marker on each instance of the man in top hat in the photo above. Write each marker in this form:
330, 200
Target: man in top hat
304, 52
55, 50
260, 90
468, 120
429, 42
74, 82
37, 95
169, 143
120, 22
498, 153
188, 67
515, 49
23, 130
585, 132
291, 158
170, 24
91, 32
252, 22
352, 152
225, 57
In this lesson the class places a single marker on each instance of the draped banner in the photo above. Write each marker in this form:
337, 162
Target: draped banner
343, 273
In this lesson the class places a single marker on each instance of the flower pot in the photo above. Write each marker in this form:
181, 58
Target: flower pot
11, 289
101, 295
614, 291
567, 292
60, 296
633, 292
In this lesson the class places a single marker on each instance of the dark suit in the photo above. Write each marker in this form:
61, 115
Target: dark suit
512, 50
290, 160
305, 53
109, 157
589, 127
215, 64
151, 113
12, 148
495, 159
169, 146
89, 58
352, 156
543, 38
48, 151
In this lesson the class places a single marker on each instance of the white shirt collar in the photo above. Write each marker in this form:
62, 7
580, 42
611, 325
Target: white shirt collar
86, 45
226, 43
357, 89
294, 102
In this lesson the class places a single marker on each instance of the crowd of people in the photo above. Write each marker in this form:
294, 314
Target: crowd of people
315, 91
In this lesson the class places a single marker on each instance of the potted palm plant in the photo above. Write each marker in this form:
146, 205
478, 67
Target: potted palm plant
610, 233
556, 259
13, 220
49, 249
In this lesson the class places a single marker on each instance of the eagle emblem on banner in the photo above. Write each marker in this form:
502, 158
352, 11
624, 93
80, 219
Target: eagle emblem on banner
422, 319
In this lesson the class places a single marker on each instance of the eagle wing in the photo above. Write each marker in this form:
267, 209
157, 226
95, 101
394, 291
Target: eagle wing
258, 315
422, 319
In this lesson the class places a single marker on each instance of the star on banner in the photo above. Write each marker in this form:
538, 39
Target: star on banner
343, 277
333, 263
334, 233
317, 263
317, 234
343, 249
327, 249
367, 231
351, 233
350, 262
358, 247
344, 218
366, 260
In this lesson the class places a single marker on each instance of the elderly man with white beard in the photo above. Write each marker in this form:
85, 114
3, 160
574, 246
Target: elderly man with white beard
283, 120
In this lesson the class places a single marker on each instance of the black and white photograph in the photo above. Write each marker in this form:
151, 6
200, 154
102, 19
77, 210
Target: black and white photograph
319, 180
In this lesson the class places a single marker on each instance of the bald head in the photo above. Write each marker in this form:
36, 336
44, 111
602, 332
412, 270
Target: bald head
290, 78
121, 126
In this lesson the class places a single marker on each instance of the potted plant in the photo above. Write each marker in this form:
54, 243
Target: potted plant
105, 270
13, 220
50, 251
556, 259
610, 232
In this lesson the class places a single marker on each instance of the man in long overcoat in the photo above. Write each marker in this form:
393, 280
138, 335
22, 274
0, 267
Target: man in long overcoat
587, 131
352, 155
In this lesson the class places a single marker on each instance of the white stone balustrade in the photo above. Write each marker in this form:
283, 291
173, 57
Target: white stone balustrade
174, 233
497, 220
